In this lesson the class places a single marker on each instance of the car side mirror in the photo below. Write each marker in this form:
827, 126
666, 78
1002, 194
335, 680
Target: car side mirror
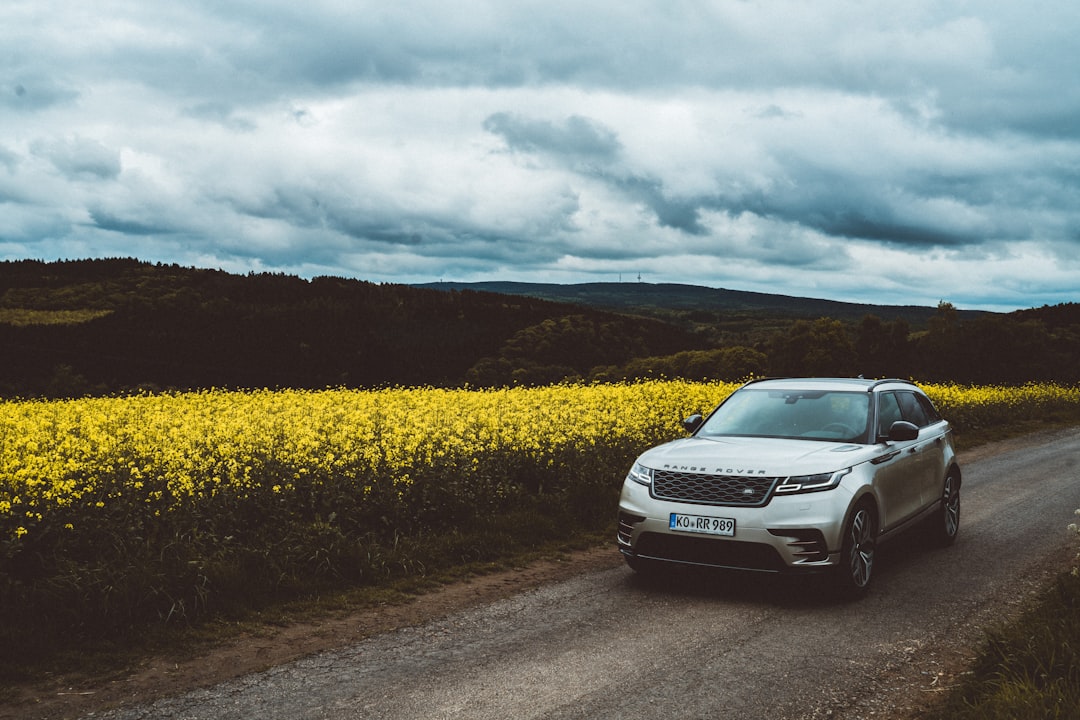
902, 431
692, 423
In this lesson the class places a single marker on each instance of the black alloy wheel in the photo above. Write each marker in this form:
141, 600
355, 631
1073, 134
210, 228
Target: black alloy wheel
856, 568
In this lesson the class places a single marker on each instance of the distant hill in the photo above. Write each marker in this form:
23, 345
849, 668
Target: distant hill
106, 326
665, 298
118, 324
1065, 315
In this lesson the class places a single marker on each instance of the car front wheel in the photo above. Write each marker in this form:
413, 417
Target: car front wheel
858, 551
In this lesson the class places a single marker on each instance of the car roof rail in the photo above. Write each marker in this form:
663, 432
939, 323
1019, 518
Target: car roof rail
869, 388
886, 381
751, 381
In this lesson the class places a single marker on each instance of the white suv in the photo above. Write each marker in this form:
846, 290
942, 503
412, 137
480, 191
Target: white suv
794, 475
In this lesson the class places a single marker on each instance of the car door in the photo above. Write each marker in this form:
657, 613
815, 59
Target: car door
929, 449
896, 477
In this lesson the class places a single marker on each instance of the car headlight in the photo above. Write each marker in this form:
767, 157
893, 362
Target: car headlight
640, 474
812, 483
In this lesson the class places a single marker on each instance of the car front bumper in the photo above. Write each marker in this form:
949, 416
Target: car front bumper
792, 533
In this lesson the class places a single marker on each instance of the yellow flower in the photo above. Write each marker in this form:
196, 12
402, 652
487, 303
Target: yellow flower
150, 455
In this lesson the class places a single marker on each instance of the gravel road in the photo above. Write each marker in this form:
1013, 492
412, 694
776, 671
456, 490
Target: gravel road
610, 645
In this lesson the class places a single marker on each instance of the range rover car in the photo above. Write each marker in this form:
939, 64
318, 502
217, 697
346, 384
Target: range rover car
795, 475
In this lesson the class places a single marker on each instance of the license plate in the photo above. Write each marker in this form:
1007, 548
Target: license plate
702, 524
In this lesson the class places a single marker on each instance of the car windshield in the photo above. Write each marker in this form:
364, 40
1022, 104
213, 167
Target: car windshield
798, 414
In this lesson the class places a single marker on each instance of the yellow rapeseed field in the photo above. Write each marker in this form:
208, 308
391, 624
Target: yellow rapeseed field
972, 408
162, 452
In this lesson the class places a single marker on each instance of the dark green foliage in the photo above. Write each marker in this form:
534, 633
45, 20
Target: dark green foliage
801, 336
729, 363
882, 348
169, 327
1010, 350
179, 328
819, 348
570, 347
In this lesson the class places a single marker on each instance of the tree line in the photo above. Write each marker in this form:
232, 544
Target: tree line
994, 349
1030, 346
112, 326
162, 327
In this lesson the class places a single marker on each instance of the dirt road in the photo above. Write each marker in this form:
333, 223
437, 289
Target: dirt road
605, 644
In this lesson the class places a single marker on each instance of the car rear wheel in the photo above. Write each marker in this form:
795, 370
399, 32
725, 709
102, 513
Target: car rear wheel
947, 521
858, 551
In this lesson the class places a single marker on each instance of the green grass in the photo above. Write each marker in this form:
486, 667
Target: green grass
21, 317
1026, 670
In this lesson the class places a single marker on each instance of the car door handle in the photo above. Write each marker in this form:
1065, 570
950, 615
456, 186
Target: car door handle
885, 458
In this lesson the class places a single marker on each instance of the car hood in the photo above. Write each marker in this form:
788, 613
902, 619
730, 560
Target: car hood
770, 457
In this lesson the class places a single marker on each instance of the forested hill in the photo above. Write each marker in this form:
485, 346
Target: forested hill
107, 326
699, 302
114, 325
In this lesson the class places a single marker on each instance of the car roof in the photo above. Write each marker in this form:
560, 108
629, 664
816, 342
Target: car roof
829, 384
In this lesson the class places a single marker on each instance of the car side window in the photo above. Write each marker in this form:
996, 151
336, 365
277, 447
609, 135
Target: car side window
913, 412
928, 407
888, 412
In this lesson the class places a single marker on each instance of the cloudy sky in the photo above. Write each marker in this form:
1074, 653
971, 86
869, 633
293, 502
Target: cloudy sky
884, 152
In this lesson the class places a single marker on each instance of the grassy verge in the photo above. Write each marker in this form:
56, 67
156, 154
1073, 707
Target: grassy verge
1027, 670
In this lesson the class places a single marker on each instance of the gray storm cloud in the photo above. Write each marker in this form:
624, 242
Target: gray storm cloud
822, 149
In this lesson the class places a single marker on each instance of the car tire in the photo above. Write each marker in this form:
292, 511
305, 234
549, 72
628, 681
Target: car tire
858, 552
947, 518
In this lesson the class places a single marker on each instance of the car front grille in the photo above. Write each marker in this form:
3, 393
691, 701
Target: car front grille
704, 489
